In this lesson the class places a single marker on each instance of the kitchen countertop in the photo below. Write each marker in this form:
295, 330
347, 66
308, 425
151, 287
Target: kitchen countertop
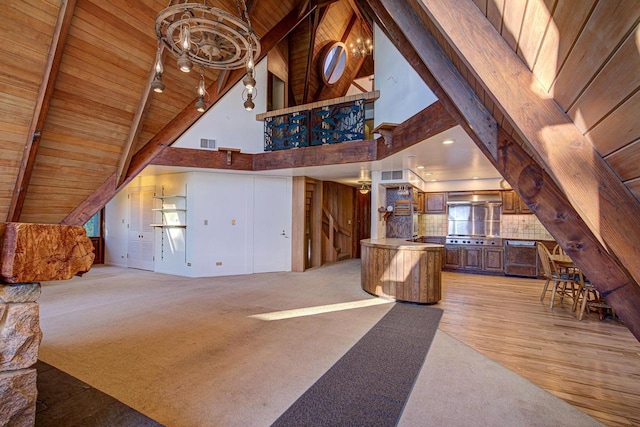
397, 243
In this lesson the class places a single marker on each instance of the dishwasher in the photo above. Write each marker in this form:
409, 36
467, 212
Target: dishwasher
520, 258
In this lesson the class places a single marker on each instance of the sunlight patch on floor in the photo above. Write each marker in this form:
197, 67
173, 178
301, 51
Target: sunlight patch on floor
310, 311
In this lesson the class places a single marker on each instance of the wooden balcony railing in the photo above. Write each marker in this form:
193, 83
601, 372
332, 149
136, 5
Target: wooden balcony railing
326, 122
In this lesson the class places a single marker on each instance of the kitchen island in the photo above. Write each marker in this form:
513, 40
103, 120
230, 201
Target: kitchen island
402, 270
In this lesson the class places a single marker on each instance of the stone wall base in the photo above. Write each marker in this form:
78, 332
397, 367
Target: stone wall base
18, 394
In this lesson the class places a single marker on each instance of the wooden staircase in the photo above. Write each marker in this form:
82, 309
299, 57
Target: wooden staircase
330, 229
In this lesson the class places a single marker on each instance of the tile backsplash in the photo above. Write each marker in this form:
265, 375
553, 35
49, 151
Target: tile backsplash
511, 227
523, 227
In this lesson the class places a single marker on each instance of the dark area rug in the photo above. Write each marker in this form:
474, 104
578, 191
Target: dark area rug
370, 384
64, 401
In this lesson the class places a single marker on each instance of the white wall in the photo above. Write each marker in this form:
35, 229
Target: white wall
221, 218
229, 123
225, 203
402, 91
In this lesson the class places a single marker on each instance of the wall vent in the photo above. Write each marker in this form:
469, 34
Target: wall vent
389, 175
207, 143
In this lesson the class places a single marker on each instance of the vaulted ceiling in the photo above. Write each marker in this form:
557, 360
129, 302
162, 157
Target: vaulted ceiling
74, 91
555, 80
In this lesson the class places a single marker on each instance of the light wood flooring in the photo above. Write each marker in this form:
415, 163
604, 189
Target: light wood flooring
592, 364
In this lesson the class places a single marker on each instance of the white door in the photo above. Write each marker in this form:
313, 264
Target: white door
141, 234
271, 225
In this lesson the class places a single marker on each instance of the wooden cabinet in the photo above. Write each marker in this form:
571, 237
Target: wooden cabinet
512, 204
472, 258
521, 259
453, 257
435, 203
493, 259
484, 259
419, 202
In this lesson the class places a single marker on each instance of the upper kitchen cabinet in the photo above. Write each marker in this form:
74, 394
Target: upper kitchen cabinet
435, 203
512, 204
419, 201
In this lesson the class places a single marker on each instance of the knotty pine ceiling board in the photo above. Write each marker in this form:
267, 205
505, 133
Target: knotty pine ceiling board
22, 61
618, 129
625, 161
536, 19
569, 17
605, 30
619, 78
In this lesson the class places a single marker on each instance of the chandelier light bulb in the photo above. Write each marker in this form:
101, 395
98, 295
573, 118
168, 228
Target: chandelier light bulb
248, 104
159, 66
201, 106
250, 64
201, 89
184, 63
185, 37
249, 82
157, 84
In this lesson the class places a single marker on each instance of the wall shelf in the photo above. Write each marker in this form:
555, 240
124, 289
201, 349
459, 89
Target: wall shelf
170, 196
173, 208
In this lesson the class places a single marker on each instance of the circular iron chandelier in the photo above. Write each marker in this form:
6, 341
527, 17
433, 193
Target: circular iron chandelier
202, 35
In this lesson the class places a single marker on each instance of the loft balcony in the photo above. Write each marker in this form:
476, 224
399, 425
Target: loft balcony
332, 121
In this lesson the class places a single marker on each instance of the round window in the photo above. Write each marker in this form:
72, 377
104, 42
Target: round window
334, 63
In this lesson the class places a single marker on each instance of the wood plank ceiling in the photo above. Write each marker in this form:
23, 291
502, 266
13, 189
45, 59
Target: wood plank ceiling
97, 114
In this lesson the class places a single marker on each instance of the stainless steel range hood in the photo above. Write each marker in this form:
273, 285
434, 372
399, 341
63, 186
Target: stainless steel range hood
457, 198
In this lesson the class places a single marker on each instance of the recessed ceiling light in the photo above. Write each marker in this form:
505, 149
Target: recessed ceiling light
448, 141
428, 174
420, 167
433, 180
475, 177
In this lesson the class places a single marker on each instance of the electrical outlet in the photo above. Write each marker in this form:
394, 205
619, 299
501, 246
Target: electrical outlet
206, 222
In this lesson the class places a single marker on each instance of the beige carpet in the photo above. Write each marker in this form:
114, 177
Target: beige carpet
186, 352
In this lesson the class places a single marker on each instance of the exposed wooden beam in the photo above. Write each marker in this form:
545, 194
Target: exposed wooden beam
93, 203
349, 27
334, 154
532, 182
136, 125
172, 131
312, 44
302, 7
429, 122
194, 158
594, 190
43, 100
